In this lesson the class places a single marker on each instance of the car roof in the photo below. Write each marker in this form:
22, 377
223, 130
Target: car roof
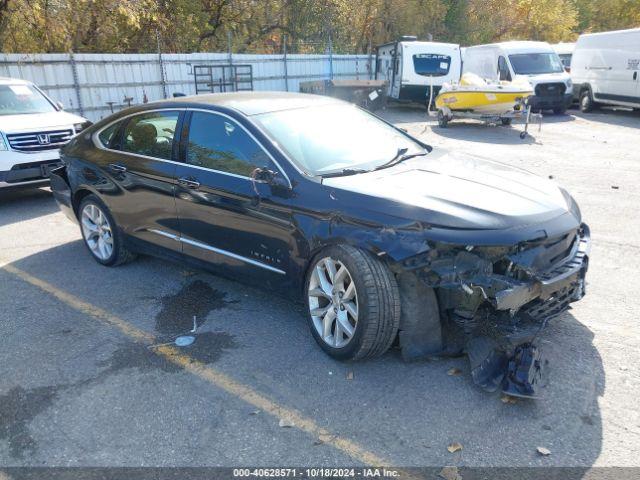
13, 81
253, 103
520, 46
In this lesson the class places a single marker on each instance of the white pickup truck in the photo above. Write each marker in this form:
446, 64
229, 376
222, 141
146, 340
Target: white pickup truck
32, 129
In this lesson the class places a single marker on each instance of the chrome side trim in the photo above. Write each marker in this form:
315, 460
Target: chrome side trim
164, 234
220, 251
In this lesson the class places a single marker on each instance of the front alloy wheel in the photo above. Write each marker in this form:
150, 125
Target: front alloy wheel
333, 302
354, 303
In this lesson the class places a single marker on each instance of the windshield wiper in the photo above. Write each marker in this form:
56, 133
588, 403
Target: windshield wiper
400, 157
345, 172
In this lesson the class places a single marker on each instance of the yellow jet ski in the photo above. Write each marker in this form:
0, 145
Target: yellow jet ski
474, 94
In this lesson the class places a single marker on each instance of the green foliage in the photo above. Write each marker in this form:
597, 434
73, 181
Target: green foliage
307, 26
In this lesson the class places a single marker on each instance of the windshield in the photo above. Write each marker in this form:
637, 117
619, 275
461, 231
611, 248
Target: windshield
535, 63
331, 138
21, 99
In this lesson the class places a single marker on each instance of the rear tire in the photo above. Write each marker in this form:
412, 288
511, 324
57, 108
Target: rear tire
560, 110
101, 234
586, 102
443, 120
367, 286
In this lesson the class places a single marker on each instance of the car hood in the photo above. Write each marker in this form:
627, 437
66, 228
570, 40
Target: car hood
458, 191
37, 121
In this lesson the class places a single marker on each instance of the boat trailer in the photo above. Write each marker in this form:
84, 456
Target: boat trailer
521, 111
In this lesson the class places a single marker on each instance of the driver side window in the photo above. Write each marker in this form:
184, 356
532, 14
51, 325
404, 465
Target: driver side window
151, 134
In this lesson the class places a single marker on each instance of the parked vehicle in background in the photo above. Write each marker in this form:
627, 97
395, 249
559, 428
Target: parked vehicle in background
382, 235
605, 69
565, 52
412, 67
32, 130
535, 62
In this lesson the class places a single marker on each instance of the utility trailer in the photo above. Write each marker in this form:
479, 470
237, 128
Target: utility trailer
369, 94
521, 112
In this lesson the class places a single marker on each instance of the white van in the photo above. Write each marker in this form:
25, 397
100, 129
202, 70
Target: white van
32, 130
411, 67
535, 62
565, 52
605, 69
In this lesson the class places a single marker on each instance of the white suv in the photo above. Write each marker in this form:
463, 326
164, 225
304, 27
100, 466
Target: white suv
32, 130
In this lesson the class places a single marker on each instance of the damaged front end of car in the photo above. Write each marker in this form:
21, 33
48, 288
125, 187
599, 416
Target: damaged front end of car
493, 301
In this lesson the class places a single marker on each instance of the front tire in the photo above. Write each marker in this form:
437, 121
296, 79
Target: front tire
560, 110
101, 234
354, 303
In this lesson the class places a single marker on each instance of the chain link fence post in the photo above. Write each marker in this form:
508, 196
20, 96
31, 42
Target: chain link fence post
76, 82
284, 59
163, 78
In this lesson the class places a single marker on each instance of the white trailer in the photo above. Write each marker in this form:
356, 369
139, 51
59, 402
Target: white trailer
605, 69
412, 68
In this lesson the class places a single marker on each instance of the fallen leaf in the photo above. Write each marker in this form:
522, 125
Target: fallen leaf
454, 447
509, 399
454, 372
543, 451
286, 423
450, 473
349, 375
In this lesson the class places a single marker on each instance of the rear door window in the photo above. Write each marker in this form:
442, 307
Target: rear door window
151, 134
219, 143
431, 64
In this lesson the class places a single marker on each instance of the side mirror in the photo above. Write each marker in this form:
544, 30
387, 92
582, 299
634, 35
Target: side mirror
270, 177
59, 105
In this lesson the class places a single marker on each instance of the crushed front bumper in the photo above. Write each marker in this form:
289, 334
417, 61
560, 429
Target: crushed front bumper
495, 304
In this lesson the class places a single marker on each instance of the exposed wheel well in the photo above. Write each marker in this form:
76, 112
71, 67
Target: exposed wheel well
77, 199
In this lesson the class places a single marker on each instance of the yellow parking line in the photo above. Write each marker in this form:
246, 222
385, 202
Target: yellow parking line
206, 372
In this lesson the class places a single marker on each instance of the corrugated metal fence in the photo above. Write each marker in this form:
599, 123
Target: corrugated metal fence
95, 84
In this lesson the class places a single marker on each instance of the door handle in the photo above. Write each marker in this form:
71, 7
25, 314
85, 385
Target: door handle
117, 168
189, 183
635, 75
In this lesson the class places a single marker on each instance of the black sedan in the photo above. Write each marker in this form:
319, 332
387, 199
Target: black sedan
384, 237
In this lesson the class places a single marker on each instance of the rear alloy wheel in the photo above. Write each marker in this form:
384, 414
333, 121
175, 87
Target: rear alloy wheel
101, 234
354, 303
